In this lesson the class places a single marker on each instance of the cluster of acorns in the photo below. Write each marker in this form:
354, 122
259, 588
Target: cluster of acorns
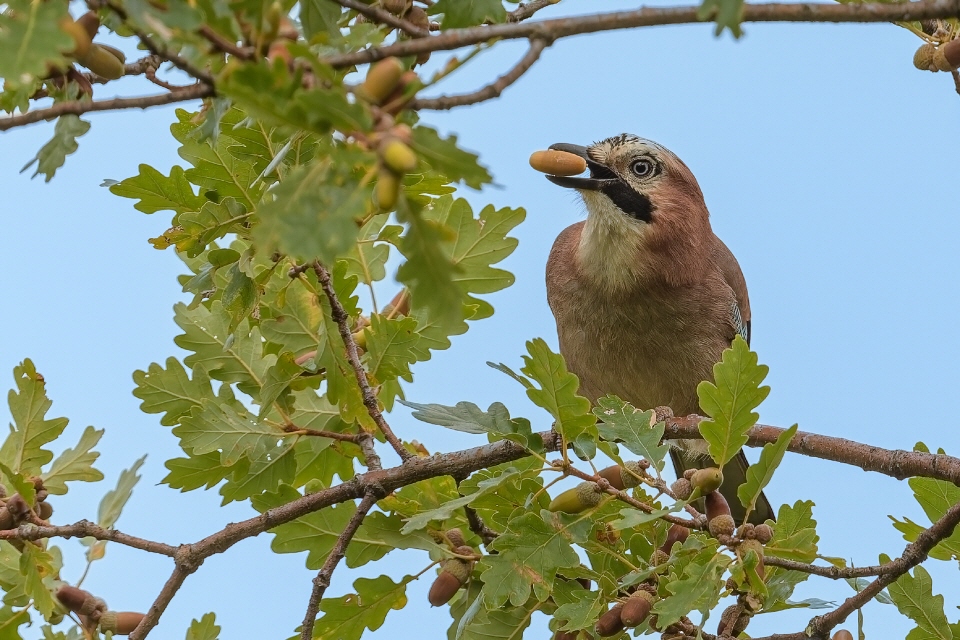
946, 57
454, 572
388, 85
94, 613
15, 510
103, 60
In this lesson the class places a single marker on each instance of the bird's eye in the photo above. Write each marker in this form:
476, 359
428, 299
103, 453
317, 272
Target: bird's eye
642, 168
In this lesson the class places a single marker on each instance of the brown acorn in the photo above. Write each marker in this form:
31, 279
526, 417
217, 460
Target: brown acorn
44, 510
738, 627
120, 623
381, 79
396, 7
763, 533
565, 635
746, 531
90, 22
676, 533
609, 623
453, 573
842, 634
582, 497
716, 505
658, 557
682, 488
707, 480
81, 41
621, 478
636, 608
6, 519
76, 600
557, 163
418, 18
722, 524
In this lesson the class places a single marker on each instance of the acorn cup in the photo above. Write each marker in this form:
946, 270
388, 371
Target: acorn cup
621, 478
120, 623
707, 480
381, 80
610, 623
636, 608
923, 58
18, 508
682, 488
455, 536
453, 573
721, 525
755, 546
734, 628
763, 533
582, 497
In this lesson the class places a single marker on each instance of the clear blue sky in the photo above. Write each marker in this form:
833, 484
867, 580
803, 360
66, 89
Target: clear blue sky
829, 165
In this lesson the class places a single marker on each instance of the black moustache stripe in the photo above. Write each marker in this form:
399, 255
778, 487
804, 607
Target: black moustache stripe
634, 204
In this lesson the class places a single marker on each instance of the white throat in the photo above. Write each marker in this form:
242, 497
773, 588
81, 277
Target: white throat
611, 244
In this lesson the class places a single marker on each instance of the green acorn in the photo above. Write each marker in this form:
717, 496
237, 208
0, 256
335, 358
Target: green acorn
582, 497
707, 480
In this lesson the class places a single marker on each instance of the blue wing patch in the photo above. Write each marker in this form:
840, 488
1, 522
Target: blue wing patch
743, 328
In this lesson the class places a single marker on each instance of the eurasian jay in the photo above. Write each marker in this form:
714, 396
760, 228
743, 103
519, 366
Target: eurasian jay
645, 296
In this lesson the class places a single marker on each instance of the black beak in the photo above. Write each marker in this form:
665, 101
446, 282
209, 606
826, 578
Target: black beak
594, 182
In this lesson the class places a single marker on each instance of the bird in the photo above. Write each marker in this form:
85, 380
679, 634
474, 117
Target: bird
645, 296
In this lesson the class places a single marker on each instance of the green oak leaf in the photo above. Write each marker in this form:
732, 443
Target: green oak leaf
196, 230
731, 400
507, 623
583, 611
157, 192
913, 595
170, 391
272, 465
935, 498
380, 534
30, 38
23, 450
530, 553
446, 157
623, 423
726, 13
205, 628
232, 431
35, 565
760, 474
795, 534
74, 464
278, 380
558, 395
196, 471
697, 590
469, 418
368, 258
114, 500
468, 13
390, 347
54, 153
446, 510
298, 321
347, 617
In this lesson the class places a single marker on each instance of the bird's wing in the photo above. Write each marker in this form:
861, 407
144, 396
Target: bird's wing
740, 307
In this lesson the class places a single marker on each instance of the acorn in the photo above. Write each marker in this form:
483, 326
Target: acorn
842, 634
942, 58
423, 58
381, 79
44, 510
453, 573
707, 480
621, 478
18, 508
396, 7
688, 473
923, 58
746, 531
658, 557
565, 635
42, 495
636, 608
6, 519
102, 62
676, 533
722, 524
76, 600
398, 156
763, 533
455, 536
90, 22
716, 505
682, 488
120, 623
387, 190
726, 618
418, 18
81, 41
609, 623
756, 547
582, 497
116, 53
557, 163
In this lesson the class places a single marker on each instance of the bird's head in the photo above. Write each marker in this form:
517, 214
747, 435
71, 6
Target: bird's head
643, 204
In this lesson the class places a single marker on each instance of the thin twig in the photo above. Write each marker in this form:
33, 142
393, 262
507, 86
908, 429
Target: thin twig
647, 17
377, 14
224, 45
322, 581
151, 75
86, 529
478, 526
832, 572
340, 316
915, 553
492, 90
135, 68
527, 9
78, 107
322, 433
